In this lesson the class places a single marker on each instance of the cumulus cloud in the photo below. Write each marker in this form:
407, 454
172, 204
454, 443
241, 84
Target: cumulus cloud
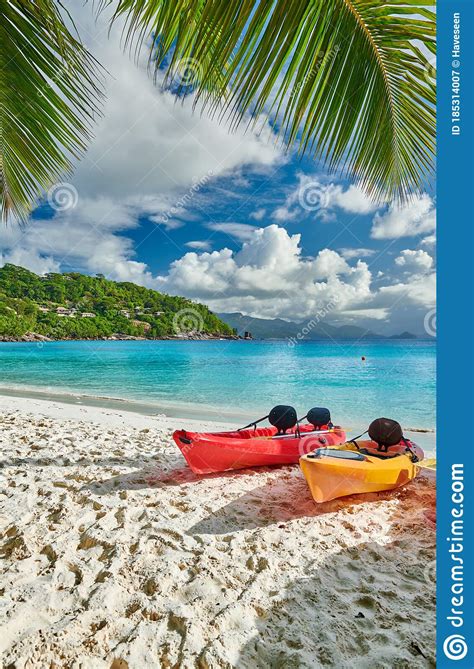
285, 212
352, 200
149, 148
328, 263
409, 220
29, 258
270, 277
86, 238
421, 290
414, 260
314, 195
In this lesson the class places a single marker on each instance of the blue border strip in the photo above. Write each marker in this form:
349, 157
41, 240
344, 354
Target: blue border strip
455, 332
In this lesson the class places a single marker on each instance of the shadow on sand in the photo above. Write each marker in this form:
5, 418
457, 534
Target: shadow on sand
369, 606
164, 473
277, 502
363, 608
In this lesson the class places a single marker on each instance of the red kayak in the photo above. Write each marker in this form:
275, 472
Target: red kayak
208, 452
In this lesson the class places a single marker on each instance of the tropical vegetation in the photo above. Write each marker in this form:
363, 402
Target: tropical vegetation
349, 81
76, 306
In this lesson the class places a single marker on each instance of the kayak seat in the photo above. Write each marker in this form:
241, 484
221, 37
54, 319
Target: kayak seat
283, 417
334, 453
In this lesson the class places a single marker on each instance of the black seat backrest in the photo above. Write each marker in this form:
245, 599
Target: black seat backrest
318, 416
385, 432
282, 417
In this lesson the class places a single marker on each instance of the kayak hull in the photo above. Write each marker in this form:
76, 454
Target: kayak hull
330, 476
212, 452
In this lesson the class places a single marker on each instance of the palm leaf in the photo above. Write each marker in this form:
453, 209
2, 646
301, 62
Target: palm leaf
48, 99
349, 80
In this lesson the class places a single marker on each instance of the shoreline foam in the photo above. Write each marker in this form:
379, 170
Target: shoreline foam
192, 414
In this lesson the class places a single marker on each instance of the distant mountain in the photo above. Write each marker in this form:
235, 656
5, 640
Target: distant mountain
404, 335
78, 306
310, 330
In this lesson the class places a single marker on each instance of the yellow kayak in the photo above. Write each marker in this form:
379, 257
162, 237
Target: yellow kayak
332, 472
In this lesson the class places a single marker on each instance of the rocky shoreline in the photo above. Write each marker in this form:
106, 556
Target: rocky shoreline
32, 337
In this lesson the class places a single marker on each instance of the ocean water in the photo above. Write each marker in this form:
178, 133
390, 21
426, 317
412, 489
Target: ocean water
236, 380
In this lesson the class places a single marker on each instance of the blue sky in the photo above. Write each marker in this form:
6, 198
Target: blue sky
170, 199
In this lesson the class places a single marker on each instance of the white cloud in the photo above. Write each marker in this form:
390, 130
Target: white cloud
167, 223
284, 213
31, 259
429, 241
269, 277
352, 200
414, 218
239, 181
152, 150
312, 194
199, 245
349, 254
328, 263
414, 261
259, 214
240, 231
86, 238
421, 290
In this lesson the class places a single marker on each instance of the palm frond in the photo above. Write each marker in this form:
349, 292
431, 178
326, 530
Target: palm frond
49, 96
350, 81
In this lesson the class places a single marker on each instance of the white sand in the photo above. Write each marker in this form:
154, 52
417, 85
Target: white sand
115, 556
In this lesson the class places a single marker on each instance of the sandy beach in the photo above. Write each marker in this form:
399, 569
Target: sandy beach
115, 555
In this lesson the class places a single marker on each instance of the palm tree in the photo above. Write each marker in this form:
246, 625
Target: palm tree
48, 98
348, 81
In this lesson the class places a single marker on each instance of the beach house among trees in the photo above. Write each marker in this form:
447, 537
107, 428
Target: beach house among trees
62, 311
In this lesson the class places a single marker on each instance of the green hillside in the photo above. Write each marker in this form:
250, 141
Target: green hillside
76, 306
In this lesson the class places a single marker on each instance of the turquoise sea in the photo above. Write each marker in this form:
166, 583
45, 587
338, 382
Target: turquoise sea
234, 380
